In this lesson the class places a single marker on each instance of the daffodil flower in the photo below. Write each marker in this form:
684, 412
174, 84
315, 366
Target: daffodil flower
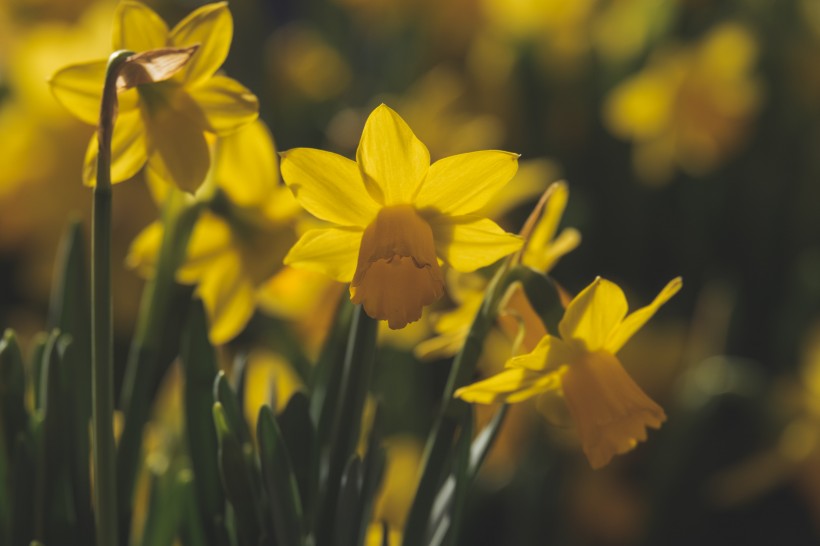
231, 255
395, 216
609, 408
163, 124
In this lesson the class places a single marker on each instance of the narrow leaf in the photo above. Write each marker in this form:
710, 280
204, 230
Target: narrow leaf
12, 390
280, 481
199, 364
238, 480
299, 436
356, 377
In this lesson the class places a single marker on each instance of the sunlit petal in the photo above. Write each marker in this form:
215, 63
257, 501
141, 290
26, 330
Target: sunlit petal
635, 320
142, 254
210, 26
463, 183
328, 186
549, 354
225, 103
511, 385
228, 296
78, 88
468, 244
138, 28
179, 151
128, 150
594, 314
210, 240
393, 161
330, 251
246, 165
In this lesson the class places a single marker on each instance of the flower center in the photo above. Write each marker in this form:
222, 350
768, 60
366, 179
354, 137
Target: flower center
397, 273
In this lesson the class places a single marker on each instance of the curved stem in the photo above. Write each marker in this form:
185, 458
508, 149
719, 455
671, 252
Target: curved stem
105, 489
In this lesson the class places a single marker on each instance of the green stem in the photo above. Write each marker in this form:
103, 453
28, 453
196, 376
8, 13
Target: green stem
155, 342
102, 380
440, 441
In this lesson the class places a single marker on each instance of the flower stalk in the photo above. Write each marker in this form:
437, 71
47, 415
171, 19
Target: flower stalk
102, 379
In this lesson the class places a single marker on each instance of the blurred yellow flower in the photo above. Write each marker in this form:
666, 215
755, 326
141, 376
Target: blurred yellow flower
395, 216
236, 249
690, 107
609, 408
163, 124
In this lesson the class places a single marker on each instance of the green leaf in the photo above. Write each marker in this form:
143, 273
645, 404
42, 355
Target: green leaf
224, 394
192, 531
70, 312
52, 454
239, 480
355, 383
280, 481
200, 367
447, 529
373, 467
12, 390
155, 344
22, 487
36, 365
327, 377
485, 439
299, 436
348, 506
166, 507
439, 447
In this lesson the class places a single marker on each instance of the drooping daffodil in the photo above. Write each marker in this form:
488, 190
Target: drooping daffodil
608, 407
395, 216
163, 124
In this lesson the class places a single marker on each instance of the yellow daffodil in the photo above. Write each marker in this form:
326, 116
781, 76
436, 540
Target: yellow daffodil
609, 408
395, 216
690, 107
163, 124
235, 249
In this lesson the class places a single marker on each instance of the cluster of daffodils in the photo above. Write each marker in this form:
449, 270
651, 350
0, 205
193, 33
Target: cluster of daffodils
390, 223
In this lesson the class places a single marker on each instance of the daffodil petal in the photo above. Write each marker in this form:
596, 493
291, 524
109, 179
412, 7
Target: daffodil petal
210, 240
463, 183
225, 103
142, 254
158, 187
549, 354
128, 150
138, 28
78, 87
594, 314
246, 165
468, 244
393, 161
330, 251
229, 298
509, 386
635, 320
210, 26
328, 186
179, 151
